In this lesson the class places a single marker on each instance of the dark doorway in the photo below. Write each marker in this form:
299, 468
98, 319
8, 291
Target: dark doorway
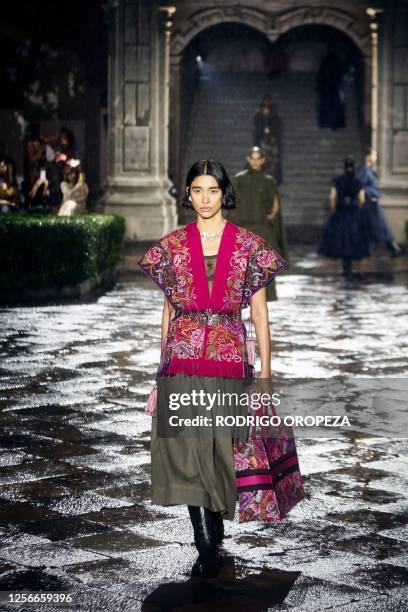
225, 72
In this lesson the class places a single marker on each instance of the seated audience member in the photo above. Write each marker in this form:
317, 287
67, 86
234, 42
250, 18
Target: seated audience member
41, 186
65, 150
9, 195
74, 189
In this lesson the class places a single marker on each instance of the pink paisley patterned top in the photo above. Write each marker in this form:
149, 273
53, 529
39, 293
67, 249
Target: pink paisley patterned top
206, 337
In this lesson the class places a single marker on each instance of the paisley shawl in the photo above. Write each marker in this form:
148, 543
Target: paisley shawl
207, 336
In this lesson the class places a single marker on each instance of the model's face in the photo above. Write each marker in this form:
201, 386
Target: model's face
373, 157
255, 161
205, 196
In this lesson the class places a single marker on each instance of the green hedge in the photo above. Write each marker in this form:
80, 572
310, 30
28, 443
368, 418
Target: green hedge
50, 251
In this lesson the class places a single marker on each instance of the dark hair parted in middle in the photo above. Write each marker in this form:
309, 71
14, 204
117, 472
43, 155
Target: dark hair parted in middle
216, 170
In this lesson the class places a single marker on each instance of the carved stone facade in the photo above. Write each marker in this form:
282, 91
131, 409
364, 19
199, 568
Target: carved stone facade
272, 19
138, 181
393, 123
139, 93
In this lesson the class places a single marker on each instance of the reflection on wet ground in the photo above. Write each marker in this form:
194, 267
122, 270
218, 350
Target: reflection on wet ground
75, 512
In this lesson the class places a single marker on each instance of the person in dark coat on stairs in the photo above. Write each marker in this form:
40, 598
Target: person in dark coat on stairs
346, 235
330, 91
268, 136
380, 231
259, 208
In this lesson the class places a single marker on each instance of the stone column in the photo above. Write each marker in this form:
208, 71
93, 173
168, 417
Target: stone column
393, 124
137, 185
372, 13
175, 126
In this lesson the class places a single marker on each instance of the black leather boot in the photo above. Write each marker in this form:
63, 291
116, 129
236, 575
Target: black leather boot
206, 540
219, 525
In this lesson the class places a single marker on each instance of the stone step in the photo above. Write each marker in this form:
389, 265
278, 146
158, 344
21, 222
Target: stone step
300, 147
304, 195
290, 127
229, 112
305, 198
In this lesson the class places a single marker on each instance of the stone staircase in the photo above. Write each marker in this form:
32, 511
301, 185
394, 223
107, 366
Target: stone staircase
221, 127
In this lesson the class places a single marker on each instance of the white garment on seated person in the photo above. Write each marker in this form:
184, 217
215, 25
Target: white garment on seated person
77, 193
67, 208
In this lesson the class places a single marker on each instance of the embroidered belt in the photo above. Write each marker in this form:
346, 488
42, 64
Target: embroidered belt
209, 316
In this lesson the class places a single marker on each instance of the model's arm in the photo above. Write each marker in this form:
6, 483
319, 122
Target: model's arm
261, 323
369, 183
167, 315
361, 197
275, 207
333, 198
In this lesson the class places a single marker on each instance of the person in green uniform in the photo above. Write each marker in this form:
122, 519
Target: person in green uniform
259, 207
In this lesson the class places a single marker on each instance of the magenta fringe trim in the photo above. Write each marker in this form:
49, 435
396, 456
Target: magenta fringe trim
208, 368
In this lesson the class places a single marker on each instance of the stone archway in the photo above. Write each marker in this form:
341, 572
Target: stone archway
208, 17
351, 23
272, 24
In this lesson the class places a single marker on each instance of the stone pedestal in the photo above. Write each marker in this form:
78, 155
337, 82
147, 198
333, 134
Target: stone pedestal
393, 124
137, 184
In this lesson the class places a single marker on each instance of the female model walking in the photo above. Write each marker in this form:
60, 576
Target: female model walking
208, 270
346, 235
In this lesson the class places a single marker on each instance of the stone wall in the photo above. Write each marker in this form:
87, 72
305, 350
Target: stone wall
393, 124
137, 184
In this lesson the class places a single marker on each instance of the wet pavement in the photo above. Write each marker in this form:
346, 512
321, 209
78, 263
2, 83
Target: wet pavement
75, 513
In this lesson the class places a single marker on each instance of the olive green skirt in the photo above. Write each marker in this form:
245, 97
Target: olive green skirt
194, 464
